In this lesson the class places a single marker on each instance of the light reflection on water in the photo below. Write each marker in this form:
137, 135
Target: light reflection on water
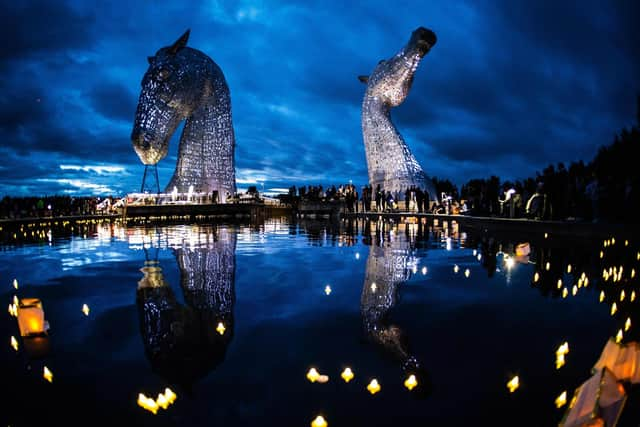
157, 294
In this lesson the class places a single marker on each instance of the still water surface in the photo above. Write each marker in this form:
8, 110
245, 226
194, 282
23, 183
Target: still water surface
384, 299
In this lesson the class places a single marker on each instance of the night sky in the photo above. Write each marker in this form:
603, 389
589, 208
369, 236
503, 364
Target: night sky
509, 87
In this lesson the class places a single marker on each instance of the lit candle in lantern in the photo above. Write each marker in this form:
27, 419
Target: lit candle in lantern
319, 421
601, 254
479, 257
565, 293
313, 375
475, 252
633, 273
601, 296
513, 384
574, 290
15, 283
467, 273
546, 235
560, 361
622, 295
162, 401
14, 343
47, 374
147, 403
536, 277
347, 374
85, 309
613, 241
456, 268
373, 386
563, 348
633, 296
547, 266
569, 268
411, 382
561, 400
619, 336
614, 308
327, 289
31, 317
559, 283
627, 324
220, 328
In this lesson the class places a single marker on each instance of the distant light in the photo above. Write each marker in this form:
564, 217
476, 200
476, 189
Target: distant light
424, 270
85, 309
327, 290
619, 336
547, 266
374, 287
319, 421
467, 272
357, 255
411, 382
313, 375
15, 283
627, 324
14, 343
220, 328
456, 268
513, 384
614, 308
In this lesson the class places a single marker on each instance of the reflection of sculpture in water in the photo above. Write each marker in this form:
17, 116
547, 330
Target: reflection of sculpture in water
182, 341
389, 265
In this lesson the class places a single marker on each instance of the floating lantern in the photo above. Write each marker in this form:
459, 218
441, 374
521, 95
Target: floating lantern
475, 252
47, 374
467, 273
424, 271
16, 301
513, 384
13, 310
563, 348
220, 328
627, 324
373, 386
14, 343
633, 273
347, 374
85, 309
622, 360
626, 243
147, 403
633, 296
319, 421
614, 308
619, 336
613, 241
586, 282
622, 295
565, 293
162, 401
601, 296
546, 235
536, 277
547, 266
456, 268
411, 382
559, 283
561, 400
15, 283
170, 395
313, 375
327, 290
31, 317
574, 290
601, 254
479, 257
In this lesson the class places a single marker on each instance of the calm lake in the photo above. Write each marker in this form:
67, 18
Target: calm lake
231, 317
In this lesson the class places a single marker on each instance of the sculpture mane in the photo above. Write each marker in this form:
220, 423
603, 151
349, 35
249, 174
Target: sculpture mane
182, 83
389, 161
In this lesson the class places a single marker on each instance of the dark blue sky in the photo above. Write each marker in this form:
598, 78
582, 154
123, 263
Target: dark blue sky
509, 87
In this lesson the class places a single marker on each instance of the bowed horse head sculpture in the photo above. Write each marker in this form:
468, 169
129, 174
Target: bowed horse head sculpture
390, 162
182, 83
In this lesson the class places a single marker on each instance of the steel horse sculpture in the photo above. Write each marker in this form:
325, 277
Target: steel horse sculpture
389, 161
184, 83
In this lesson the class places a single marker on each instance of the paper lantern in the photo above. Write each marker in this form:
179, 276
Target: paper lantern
31, 318
622, 360
597, 402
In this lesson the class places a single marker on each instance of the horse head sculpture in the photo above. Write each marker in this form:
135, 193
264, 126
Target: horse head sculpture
182, 83
390, 162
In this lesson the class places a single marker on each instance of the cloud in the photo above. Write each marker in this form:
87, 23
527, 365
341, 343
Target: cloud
508, 88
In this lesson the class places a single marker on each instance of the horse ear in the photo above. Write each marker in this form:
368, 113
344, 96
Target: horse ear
180, 43
364, 79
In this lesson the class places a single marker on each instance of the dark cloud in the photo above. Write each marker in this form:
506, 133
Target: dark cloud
509, 87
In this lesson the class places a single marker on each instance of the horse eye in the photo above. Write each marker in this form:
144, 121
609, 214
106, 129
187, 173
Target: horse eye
163, 74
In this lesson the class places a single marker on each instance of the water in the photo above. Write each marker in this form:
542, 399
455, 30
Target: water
396, 307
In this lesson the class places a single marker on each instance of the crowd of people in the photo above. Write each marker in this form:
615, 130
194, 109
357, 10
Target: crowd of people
48, 206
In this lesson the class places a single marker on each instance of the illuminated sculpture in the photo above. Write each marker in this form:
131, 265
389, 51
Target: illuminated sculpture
390, 162
388, 267
184, 83
182, 341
